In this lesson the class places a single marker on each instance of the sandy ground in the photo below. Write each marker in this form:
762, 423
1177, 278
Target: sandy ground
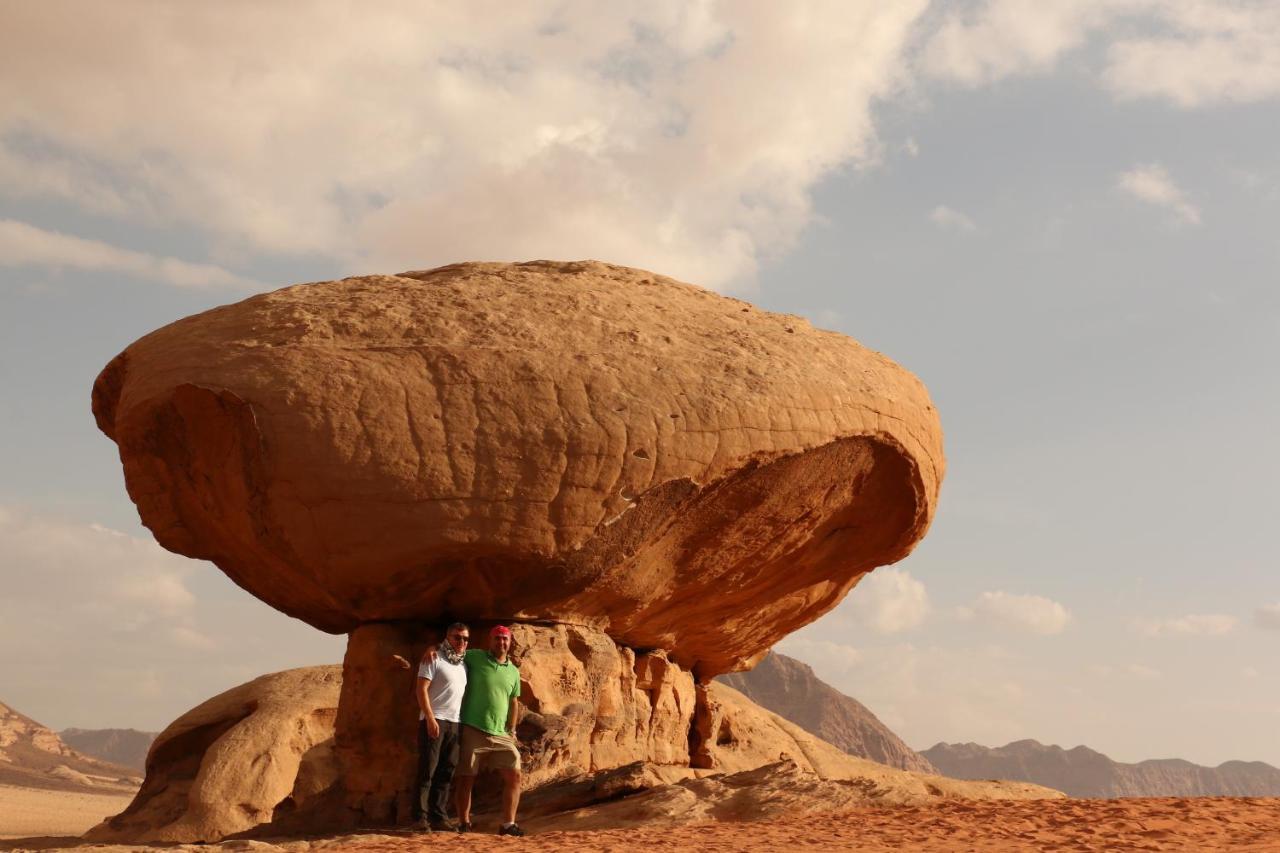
1168, 824
32, 811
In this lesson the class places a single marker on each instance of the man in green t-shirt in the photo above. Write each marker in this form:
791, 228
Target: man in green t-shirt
488, 739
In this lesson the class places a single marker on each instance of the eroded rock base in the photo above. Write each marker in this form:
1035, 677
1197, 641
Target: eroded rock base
331, 750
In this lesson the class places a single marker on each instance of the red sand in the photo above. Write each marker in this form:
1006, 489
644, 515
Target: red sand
1204, 823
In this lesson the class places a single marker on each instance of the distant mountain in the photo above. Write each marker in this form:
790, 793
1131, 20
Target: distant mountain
791, 690
33, 756
127, 747
1082, 772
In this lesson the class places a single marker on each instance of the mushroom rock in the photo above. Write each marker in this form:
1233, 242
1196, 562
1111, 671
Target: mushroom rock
562, 442
547, 443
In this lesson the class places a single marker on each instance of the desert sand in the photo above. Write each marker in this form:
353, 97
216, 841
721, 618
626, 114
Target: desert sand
1168, 824
36, 811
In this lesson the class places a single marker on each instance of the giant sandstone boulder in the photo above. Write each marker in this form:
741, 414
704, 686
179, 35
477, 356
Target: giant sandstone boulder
557, 442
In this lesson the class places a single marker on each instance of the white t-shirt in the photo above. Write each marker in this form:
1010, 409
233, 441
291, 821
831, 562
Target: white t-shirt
448, 683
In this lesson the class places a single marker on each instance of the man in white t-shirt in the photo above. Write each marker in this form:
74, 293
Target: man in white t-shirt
441, 683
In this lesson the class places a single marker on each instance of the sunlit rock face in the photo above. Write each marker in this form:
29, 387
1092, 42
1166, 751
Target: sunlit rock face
561, 442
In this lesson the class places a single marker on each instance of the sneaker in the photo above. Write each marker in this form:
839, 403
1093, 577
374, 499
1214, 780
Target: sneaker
444, 825
511, 829
422, 825
464, 827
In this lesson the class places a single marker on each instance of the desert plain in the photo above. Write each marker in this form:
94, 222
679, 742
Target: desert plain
1153, 824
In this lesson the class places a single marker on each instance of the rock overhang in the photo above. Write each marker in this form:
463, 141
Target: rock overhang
573, 442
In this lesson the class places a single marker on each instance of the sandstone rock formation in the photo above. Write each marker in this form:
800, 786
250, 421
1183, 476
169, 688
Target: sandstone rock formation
1083, 772
126, 747
33, 756
681, 477
266, 756
567, 442
233, 762
790, 689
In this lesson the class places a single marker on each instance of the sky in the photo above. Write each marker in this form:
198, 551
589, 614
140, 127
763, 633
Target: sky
1062, 216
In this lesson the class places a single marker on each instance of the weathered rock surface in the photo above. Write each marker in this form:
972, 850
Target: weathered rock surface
609, 724
1083, 772
33, 756
126, 747
762, 793
790, 689
564, 442
231, 763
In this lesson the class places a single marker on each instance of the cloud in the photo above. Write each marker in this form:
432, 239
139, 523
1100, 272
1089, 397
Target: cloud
1033, 613
831, 653
1151, 183
23, 245
1135, 671
1208, 53
982, 43
889, 601
91, 618
952, 220
1268, 616
1193, 624
1192, 53
67, 577
681, 137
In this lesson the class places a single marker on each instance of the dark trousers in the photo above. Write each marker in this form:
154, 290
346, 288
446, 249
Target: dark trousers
437, 758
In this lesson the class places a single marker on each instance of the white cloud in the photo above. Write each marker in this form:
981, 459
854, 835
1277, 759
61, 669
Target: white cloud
71, 577
1268, 616
681, 137
1033, 613
24, 245
1191, 53
889, 601
1143, 672
982, 43
1151, 183
91, 618
1193, 624
949, 219
831, 653
1210, 52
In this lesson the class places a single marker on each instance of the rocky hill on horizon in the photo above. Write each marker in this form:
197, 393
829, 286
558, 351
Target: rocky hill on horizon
792, 690
126, 747
33, 756
1084, 772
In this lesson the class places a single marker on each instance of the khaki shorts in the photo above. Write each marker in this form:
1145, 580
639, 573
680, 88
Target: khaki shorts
480, 750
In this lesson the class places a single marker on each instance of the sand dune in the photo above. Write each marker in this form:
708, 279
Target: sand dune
1170, 824
38, 811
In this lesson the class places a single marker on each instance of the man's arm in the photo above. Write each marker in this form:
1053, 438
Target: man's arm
428, 713
513, 716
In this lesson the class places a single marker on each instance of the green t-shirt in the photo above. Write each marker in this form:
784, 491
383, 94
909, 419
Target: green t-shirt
490, 688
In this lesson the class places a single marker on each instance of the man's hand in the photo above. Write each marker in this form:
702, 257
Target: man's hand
429, 654
433, 728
